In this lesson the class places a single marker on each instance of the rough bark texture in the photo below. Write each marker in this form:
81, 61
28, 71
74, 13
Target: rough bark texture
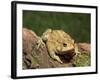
34, 57
84, 47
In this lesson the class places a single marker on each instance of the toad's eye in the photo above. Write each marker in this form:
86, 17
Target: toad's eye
64, 44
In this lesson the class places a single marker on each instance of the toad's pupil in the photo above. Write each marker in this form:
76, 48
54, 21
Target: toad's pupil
65, 45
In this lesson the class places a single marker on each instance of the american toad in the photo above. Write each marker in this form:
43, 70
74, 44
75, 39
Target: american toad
57, 42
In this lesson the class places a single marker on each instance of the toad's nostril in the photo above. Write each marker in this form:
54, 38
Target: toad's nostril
65, 45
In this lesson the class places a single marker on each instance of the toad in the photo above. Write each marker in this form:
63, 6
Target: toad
57, 42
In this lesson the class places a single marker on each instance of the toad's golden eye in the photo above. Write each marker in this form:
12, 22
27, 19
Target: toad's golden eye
64, 44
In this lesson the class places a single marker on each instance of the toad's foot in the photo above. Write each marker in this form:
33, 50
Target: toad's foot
40, 42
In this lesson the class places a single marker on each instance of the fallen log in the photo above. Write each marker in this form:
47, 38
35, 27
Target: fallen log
34, 57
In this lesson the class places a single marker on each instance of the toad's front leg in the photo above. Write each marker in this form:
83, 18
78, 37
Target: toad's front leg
52, 53
55, 57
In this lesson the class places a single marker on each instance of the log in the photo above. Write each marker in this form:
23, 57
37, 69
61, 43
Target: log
34, 57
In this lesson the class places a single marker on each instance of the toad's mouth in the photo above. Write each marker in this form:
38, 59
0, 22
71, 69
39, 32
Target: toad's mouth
66, 55
66, 52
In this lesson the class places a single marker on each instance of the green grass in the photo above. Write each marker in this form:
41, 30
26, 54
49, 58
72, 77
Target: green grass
76, 24
82, 60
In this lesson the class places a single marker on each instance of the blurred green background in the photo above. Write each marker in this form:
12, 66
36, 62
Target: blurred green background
75, 24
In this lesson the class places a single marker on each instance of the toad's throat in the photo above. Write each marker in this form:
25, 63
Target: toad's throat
66, 52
